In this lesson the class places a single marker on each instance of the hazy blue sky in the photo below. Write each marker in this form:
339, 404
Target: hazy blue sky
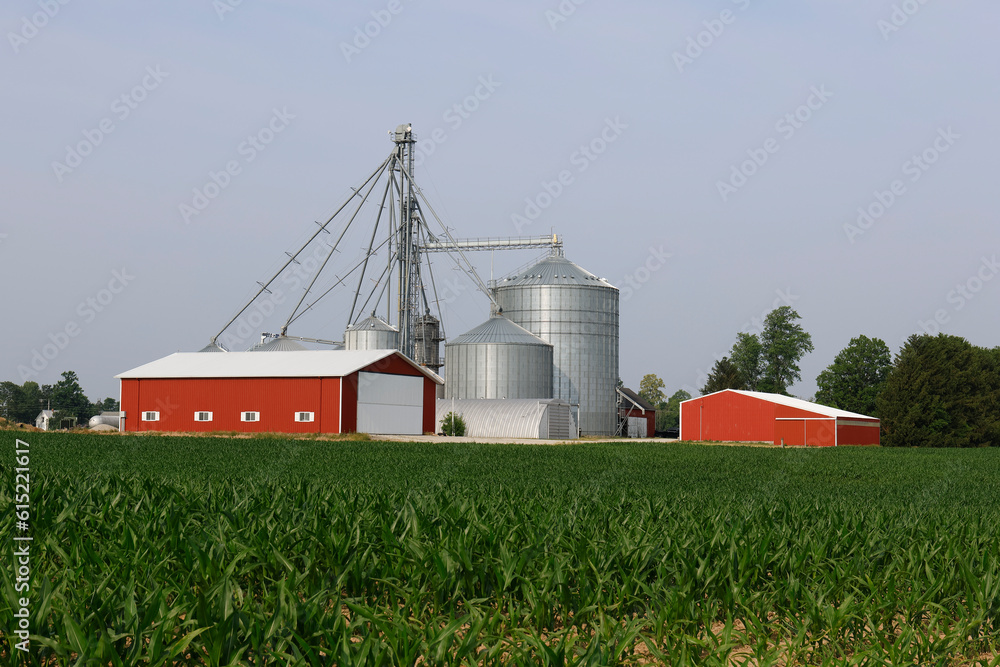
118, 111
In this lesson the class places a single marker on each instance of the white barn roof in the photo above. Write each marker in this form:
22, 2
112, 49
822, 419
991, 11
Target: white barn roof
303, 363
795, 403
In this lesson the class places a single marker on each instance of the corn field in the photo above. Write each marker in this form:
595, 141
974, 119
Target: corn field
156, 550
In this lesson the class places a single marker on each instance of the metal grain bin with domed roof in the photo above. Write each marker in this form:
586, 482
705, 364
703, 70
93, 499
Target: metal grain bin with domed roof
498, 359
371, 333
278, 344
577, 312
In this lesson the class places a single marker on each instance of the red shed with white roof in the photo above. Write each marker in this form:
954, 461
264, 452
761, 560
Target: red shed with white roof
305, 391
732, 415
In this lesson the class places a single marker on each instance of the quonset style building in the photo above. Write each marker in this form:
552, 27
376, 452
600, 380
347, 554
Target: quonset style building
555, 305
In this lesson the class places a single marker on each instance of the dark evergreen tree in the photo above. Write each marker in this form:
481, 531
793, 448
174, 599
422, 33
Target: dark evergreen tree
724, 375
941, 392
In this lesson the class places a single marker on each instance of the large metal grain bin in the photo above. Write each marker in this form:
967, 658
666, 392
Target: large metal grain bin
498, 359
371, 333
577, 312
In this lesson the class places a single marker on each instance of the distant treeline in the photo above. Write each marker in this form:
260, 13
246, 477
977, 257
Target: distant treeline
22, 403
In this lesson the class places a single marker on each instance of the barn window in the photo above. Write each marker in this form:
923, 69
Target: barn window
150, 416
304, 416
250, 417
203, 416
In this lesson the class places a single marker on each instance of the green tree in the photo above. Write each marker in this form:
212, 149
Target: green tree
107, 405
453, 425
941, 392
68, 396
10, 394
669, 416
783, 344
855, 378
724, 375
747, 356
24, 402
651, 389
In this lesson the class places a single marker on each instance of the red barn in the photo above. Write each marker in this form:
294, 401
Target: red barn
637, 411
306, 391
731, 415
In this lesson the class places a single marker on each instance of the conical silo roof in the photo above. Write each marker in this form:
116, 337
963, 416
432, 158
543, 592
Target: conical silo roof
280, 344
554, 270
213, 347
498, 330
371, 323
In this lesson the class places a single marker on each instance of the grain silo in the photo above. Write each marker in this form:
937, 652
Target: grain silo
371, 333
577, 312
278, 344
498, 359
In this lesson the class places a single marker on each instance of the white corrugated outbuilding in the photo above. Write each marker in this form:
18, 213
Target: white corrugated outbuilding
544, 419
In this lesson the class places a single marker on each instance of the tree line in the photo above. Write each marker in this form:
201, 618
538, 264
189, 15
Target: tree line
66, 398
938, 391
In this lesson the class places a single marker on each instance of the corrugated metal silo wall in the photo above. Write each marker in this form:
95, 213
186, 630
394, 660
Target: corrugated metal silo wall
581, 322
498, 370
370, 339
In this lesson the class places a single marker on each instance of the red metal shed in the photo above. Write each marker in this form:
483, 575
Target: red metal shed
306, 391
732, 415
